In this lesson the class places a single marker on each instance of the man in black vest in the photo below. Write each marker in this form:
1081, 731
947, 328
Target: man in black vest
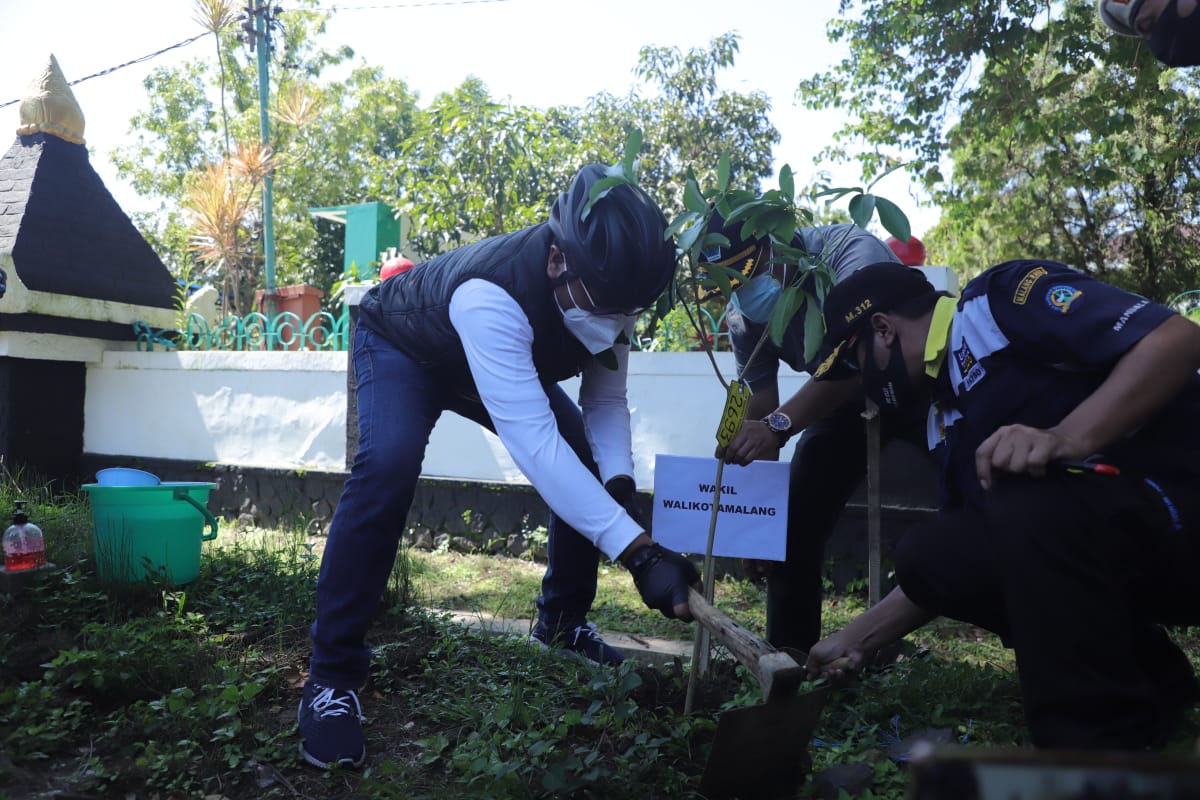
488, 331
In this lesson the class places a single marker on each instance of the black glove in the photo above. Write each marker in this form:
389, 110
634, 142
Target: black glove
3, 282
662, 577
623, 490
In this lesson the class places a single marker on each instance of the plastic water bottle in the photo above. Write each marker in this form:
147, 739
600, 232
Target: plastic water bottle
24, 547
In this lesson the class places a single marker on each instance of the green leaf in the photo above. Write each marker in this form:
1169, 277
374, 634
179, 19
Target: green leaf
721, 275
894, 220
723, 172
836, 194
693, 199
687, 228
663, 306
814, 328
632, 145
787, 183
685, 220
884, 174
599, 189
790, 301
862, 208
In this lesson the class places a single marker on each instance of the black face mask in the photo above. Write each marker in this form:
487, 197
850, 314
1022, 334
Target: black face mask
890, 388
1176, 40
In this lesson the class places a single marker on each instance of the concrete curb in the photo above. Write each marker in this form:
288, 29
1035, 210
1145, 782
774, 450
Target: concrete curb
647, 649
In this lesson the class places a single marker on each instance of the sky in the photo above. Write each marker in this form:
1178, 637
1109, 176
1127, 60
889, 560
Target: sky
531, 52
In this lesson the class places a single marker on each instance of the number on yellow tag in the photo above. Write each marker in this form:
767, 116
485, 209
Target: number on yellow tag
734, 413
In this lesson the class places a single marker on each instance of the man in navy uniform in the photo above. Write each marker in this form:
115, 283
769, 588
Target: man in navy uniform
1063, 412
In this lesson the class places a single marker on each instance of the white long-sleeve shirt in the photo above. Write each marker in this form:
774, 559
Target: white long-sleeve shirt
498, 341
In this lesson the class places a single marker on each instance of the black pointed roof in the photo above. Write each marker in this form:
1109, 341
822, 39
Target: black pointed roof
66, 233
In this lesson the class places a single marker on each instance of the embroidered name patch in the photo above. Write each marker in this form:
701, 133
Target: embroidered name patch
1026, 285
1128, 313
970, 368
858, 310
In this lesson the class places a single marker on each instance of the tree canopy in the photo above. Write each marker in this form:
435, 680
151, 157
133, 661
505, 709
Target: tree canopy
1037, 132
462, 167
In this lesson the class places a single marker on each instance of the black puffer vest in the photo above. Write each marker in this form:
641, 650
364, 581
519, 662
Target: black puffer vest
412, 310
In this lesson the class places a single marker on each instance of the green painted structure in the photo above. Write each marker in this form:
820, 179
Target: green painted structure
371, 228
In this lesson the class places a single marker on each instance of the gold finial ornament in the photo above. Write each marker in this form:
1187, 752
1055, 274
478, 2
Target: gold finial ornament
49, 106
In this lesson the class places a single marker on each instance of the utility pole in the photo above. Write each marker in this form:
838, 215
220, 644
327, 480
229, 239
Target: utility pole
262, 39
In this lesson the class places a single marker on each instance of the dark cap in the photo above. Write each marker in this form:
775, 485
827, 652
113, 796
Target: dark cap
740, 254
851, 302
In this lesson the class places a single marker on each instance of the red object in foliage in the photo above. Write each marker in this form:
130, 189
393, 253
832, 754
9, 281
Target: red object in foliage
394, 266
910, 253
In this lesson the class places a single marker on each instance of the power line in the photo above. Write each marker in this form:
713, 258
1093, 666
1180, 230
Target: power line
403, 5
185, 42
156, 54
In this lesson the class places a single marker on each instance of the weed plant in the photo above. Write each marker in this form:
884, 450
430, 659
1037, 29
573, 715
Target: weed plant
159, 691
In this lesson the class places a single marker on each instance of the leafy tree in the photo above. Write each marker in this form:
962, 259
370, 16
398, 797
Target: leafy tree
337, 144
466, 167
687, 122
218, 206
1062, 141
330, 143
474, 167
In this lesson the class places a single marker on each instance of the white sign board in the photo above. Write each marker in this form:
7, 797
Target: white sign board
751, 523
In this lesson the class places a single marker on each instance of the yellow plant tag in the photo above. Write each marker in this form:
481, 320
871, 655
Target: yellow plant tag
734, 413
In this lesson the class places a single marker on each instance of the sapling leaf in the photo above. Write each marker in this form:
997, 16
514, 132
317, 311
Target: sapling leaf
598, 190
894, 220
814, 328
835, 194
884, 174
686, 239
693, 199
861, 209
790, 300
787, 183
632, 145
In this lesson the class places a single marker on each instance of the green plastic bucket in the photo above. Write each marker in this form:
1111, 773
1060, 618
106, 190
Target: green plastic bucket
150, 533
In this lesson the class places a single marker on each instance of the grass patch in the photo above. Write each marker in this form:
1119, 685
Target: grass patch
509, 587
191, 691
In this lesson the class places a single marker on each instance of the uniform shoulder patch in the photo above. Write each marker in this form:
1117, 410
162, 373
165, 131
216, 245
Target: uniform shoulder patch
968, 366
1021, 295
1061, 297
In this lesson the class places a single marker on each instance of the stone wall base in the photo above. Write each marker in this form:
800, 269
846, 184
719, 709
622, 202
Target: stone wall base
494, 517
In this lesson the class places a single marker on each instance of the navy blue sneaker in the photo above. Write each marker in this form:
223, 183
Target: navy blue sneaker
583, 640
331, 727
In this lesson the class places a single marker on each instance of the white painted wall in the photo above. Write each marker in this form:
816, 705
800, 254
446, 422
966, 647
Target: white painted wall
283, 410
287, 410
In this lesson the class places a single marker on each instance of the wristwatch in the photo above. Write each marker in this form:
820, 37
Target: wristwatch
780, 425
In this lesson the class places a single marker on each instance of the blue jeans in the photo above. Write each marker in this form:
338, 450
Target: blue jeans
398, 404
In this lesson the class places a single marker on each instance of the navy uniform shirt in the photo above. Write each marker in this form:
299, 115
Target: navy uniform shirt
1030, 340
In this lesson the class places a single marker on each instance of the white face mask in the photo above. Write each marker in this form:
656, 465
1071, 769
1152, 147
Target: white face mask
596, 332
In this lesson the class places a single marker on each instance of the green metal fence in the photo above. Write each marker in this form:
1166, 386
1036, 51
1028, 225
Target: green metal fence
326, 331
254, 331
